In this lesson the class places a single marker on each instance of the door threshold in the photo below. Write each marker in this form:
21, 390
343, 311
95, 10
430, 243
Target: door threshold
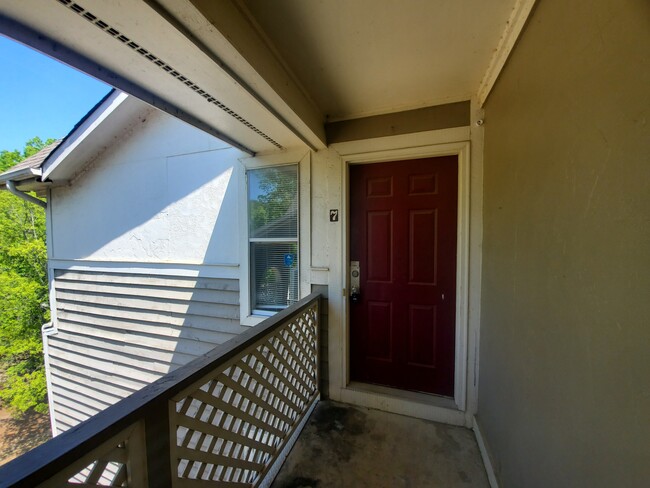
412, 404
413, 396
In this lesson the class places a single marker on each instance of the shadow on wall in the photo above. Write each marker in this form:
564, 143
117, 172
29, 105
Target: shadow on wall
176, 219
212, 316
215, 303
139, 203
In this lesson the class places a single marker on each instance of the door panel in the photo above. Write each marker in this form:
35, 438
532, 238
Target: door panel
380, 245
422, 240
422, 338
378, 333
403, 233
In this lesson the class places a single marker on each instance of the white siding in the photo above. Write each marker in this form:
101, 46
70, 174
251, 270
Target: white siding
118, 331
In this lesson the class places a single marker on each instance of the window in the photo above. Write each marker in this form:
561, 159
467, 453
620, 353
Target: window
273, 237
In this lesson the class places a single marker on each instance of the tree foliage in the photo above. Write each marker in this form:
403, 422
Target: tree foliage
275, 192
23, 294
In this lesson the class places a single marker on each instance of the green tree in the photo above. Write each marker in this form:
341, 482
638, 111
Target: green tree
23, 294
275, 192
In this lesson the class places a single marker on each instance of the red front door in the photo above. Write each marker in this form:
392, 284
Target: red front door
403, 234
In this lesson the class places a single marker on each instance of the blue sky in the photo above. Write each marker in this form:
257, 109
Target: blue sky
40, 96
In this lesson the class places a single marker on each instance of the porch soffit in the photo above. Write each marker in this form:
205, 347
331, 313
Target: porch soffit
266, 76
368, 57
138, 47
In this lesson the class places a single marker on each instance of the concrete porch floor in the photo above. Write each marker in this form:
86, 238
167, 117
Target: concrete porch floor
344, 446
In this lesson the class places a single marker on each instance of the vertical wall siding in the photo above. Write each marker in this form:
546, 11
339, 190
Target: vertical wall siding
119, 331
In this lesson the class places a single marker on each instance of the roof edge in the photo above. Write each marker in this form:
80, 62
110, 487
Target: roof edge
21, 174
81, 121
35, 172
83, 129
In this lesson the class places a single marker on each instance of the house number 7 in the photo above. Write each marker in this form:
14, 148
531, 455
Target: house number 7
334, 215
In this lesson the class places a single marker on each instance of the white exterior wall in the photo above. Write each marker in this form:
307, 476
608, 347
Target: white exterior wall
167, 194
144, 252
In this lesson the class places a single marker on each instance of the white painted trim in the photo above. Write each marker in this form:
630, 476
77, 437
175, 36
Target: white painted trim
462, 277
289, 156
245, 316
302, 158
49, 240
462, 150
304, 224
482, 446
46, 331
412, 152
279, 461
94, 119
54, 320
226, 270
475, 258
274, 239
514, 26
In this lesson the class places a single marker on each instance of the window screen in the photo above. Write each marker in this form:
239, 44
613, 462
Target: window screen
273, 237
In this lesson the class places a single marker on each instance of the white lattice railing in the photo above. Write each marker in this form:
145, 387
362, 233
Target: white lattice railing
226, 419
234, 422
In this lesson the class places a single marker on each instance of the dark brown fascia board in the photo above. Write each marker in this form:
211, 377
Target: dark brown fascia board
436, 117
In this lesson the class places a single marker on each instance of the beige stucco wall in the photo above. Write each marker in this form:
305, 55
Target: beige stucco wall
564, 396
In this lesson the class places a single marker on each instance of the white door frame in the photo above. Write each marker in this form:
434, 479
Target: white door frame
432, 407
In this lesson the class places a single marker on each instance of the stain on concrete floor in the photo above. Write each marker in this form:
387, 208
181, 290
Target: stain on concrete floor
344, 446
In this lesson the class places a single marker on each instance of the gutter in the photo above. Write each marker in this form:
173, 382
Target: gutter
11, 186
20, 174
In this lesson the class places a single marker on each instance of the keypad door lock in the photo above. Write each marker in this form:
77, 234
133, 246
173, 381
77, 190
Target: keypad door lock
355, 282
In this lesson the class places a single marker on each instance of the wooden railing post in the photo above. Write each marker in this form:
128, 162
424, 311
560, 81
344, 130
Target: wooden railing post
158, 445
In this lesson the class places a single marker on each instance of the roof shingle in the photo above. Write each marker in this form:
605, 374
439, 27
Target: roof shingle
33, 162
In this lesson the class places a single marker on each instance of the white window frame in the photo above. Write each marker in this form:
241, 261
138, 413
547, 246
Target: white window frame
302, 159
272, 240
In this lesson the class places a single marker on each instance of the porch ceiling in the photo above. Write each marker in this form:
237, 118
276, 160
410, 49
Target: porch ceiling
369, 57
265, 75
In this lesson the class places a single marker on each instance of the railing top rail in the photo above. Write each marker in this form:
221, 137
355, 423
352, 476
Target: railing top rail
45, 460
